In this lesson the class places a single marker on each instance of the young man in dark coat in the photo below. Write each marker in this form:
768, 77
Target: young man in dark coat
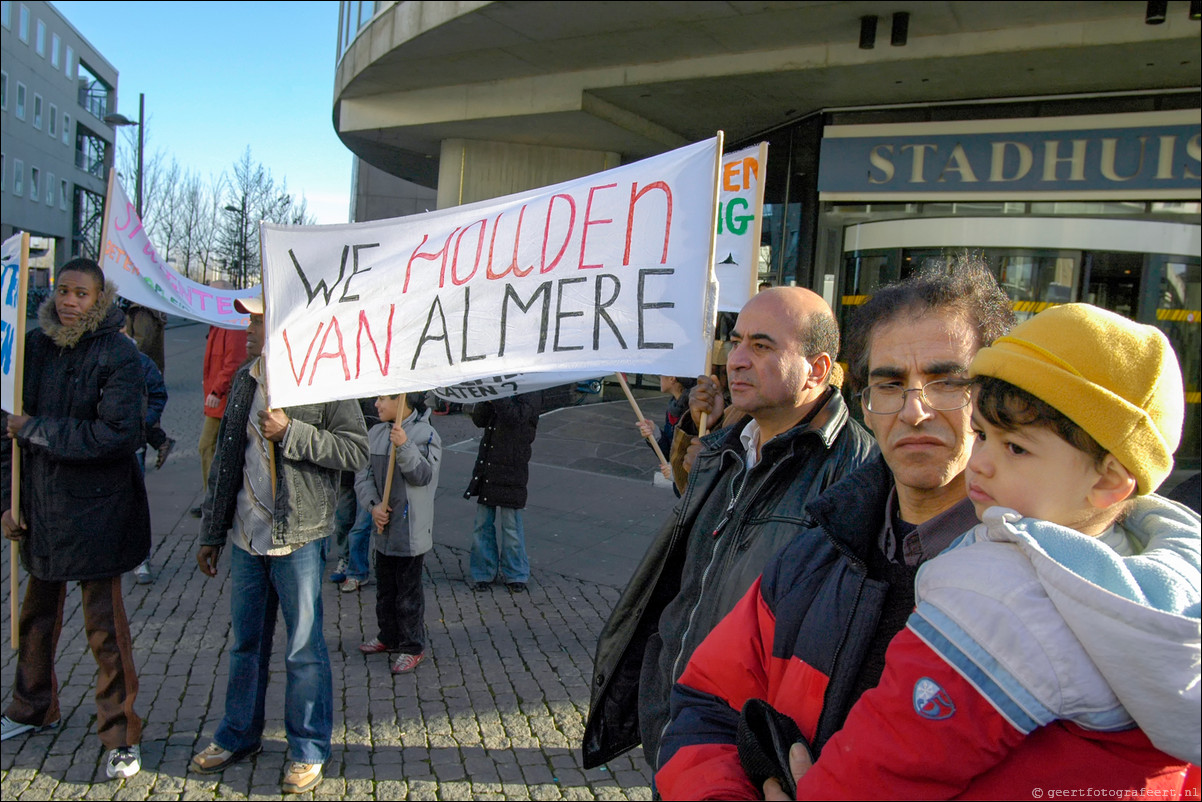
499, 483
84, 516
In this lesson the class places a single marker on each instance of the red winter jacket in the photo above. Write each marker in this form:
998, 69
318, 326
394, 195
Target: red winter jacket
225, 351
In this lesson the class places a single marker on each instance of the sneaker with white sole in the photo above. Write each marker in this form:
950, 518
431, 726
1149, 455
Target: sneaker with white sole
350, 585
11, 729
404, 663
339, 575
142, 573
300, 777
124, 762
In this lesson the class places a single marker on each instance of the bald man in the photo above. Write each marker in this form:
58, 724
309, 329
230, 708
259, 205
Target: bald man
745, 499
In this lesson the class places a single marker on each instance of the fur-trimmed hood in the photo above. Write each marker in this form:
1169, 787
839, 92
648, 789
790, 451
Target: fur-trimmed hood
69, 336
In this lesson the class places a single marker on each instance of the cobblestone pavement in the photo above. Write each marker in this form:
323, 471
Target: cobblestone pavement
496, 711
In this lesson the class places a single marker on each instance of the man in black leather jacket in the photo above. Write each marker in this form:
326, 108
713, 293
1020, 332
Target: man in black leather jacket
745, 499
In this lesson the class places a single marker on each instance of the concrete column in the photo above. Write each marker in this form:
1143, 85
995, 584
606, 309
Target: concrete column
471, 170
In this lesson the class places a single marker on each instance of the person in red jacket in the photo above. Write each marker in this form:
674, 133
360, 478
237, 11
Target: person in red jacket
225, 351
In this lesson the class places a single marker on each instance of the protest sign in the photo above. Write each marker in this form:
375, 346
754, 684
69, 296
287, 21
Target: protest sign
131, 262
15, 259
607, 272
740, 219
509, 384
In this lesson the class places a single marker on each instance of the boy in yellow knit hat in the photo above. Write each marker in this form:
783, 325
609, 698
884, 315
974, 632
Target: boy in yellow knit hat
1055, 645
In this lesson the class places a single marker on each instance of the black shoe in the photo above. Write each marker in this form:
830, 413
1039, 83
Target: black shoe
481, 587
516, 587
194, 512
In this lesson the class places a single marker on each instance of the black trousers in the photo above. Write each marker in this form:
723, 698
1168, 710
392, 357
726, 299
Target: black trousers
401, 602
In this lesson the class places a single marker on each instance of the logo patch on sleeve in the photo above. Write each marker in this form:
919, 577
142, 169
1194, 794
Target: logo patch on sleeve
931, 701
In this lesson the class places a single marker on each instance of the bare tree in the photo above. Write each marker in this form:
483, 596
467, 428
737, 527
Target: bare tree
209, 228
252, 196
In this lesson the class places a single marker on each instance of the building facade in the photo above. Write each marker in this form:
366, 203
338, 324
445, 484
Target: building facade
1058, 139
57, 149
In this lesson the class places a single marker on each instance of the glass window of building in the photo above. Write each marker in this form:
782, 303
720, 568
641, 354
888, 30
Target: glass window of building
20, 101
3, 91
37, 111
34, 175
50, 189
56, 46
90, 151
93, 91
39, 41
62, 194
52, 128
66, 129
23, 24
18, 177
67, 64
6, 14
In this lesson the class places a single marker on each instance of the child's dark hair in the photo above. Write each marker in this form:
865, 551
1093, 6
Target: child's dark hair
1008, 407
416, 401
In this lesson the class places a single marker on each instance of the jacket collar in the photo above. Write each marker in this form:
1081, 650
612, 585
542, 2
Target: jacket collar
92, 321
826, 423
852, 511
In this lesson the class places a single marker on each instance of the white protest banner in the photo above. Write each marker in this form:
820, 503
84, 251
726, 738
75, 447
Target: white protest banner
15, 259
130, 261
607, 272
507, 385
740, 219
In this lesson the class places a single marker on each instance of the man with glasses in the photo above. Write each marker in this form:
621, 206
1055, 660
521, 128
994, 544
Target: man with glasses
810, 636
746, 497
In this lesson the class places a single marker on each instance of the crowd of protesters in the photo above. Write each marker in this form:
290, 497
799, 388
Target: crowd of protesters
976, 593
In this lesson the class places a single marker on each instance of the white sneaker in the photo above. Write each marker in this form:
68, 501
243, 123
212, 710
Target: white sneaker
124, 762
142, 573
11, 729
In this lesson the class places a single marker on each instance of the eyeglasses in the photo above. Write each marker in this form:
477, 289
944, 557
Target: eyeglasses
943, 395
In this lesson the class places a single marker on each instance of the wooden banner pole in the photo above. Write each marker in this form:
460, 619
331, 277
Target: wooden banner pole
14, 578
638, 413
713, 321
401, 413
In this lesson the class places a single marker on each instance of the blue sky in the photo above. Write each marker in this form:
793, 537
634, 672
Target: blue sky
219, 76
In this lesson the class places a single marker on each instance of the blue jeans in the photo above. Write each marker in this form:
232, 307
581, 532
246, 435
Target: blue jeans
260, 587
515, 567
358, 546
344, 519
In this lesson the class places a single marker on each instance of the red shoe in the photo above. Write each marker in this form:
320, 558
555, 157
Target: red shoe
404, 663
374, 646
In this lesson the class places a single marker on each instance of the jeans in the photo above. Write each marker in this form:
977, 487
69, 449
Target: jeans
260, 587
358, 546
344, 519
515, 567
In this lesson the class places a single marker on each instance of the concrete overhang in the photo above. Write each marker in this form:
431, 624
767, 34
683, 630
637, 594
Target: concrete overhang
640, 78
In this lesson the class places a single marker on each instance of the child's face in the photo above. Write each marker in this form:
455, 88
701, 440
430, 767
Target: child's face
387, 407
1033, 471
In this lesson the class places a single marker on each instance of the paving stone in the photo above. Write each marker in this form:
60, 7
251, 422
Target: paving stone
496, 711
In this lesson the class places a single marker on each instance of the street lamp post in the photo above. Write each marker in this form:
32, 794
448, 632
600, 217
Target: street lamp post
241, 212
117, 120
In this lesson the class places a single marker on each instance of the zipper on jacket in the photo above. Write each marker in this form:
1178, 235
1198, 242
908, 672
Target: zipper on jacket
676, 669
